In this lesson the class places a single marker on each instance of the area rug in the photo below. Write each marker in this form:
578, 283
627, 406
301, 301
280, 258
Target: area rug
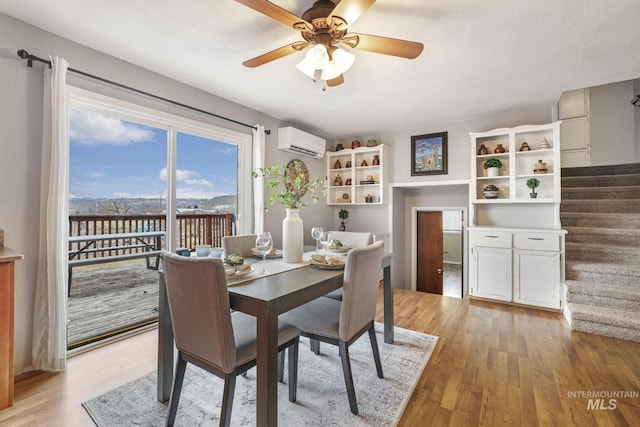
322, 397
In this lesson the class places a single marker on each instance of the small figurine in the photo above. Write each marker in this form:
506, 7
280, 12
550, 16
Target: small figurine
376, 160
339, 147
338, 180
364, 163
348, 181
525, 147
369, 177
348, 164
355, 143
338, 165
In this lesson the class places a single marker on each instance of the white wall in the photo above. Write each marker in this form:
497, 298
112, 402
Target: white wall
20, 144
613, 124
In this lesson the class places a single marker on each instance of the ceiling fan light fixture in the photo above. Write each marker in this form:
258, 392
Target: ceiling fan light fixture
307, 66
318, 55
343, 59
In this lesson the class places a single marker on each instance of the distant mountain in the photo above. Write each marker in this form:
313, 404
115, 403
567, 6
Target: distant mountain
141, 206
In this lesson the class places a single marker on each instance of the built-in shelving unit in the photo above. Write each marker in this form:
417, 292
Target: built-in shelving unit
517, 167
357, 176
516, 244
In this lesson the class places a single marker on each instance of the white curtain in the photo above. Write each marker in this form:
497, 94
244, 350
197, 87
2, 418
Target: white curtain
50, 307
258, 183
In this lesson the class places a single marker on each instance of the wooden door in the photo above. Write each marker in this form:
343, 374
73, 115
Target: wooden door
429, 252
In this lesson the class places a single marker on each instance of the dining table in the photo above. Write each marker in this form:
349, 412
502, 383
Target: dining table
266, 296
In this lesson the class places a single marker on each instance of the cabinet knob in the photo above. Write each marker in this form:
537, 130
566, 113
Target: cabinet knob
439, 271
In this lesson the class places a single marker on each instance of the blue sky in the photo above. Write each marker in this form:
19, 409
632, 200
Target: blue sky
111, 158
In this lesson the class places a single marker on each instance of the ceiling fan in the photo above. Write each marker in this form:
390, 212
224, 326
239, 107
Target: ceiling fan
324, 27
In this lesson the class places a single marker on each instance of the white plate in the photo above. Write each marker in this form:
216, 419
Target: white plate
274, 254
324, 266
240, 273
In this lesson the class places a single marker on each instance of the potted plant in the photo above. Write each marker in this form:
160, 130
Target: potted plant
289, 184
533, 183
493, 166
343, 214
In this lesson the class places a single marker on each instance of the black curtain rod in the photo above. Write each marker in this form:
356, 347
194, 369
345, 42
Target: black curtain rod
31, 58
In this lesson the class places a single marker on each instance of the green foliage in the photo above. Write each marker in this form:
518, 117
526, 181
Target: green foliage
533, 183
287, 191
343, 214
492, 163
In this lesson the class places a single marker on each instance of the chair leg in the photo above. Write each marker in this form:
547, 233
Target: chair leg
281, 366
176, 388
348, 377
293, 370
227, 398
374, 348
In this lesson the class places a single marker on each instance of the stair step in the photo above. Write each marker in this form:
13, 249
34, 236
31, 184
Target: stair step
613, 296
623, 324
604, 220
631, 206
600, 181
605, 236
622, 169
603, 273
602, 253
590, 193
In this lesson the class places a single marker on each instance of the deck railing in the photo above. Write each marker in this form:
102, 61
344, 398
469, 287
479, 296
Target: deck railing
192, 229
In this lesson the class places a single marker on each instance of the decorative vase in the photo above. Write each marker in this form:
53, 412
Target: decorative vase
544, 144
491, 192
292, 236
540, 167
499, 149
483, 150
493, 172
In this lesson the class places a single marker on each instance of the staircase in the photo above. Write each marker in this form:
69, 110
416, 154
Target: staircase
600, 210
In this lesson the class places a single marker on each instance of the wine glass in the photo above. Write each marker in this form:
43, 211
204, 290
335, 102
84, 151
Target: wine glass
316, 233
324, 242
264, 244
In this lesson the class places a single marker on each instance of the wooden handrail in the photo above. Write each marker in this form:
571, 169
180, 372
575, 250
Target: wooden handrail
193, 229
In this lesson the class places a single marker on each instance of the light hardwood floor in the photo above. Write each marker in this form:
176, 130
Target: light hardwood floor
494, 365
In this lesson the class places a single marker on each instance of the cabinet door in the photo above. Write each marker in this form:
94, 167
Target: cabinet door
537, 278
491, 273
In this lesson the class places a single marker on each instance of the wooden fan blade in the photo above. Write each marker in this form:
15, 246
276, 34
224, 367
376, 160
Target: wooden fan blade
350, 10
384, 45
336, 82
275, 54
275, 12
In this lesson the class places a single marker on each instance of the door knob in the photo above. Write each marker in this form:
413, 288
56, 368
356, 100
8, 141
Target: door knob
439, 271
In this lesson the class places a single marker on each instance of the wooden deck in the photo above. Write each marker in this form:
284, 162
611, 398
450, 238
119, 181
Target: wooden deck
107, 299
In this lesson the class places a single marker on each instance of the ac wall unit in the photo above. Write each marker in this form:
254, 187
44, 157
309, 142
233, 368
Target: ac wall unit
300, 142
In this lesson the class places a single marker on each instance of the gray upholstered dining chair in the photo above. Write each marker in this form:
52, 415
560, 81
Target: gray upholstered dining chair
341, 323
240, 245
208, 335
354, 238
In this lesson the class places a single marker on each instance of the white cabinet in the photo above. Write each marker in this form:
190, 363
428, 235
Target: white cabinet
357, 176
536, 278
491, 273
517, 265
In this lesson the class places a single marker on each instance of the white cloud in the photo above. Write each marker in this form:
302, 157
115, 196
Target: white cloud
91, 129
198, 181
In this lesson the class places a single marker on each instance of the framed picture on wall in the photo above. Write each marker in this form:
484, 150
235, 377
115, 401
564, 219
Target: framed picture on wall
429, 154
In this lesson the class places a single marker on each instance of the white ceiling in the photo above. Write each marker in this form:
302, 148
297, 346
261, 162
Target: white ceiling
480, 58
